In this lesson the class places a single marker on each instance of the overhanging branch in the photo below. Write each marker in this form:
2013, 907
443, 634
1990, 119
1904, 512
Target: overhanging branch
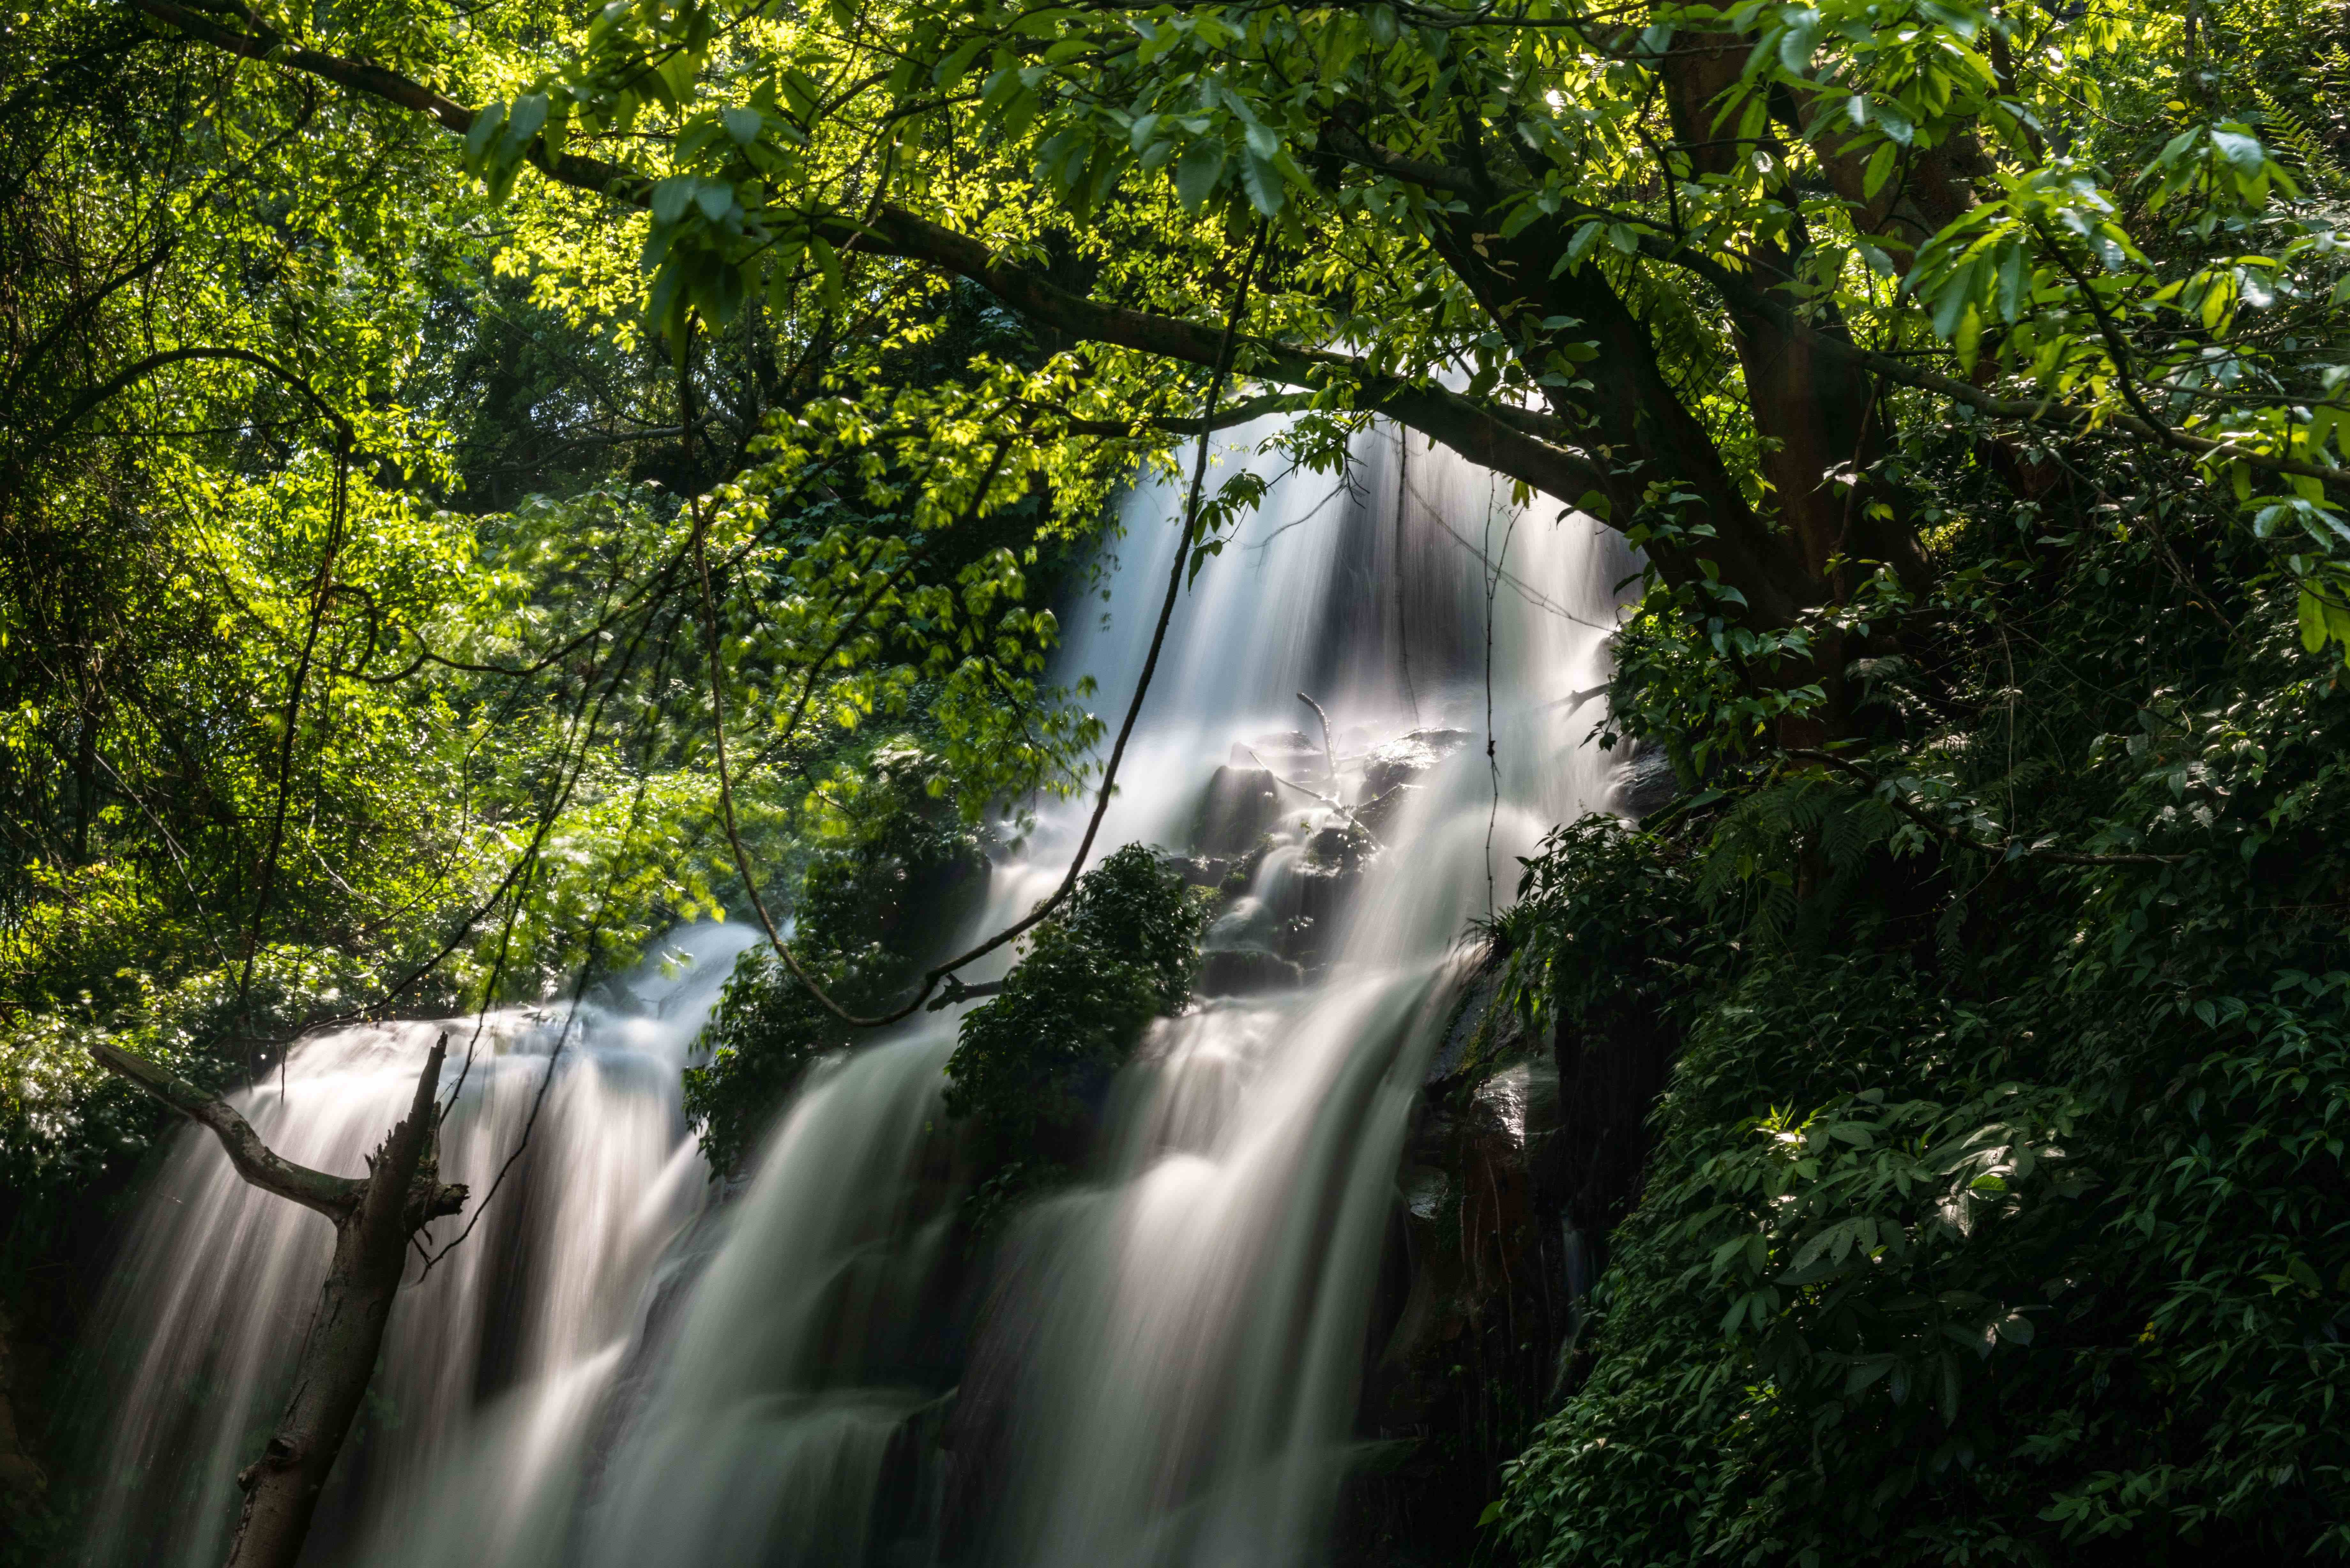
1504, 440
1742, 295
333, 1196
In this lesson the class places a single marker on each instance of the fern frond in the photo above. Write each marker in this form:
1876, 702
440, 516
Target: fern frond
2334, 71
2292, 135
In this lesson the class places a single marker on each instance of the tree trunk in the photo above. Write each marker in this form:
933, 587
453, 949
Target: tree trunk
374, 1217
282, 1487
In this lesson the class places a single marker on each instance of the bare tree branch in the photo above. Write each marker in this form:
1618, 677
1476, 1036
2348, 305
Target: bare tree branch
334, 1196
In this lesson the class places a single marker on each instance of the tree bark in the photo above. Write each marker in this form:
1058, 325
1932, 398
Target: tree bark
1818, 411
374, 1217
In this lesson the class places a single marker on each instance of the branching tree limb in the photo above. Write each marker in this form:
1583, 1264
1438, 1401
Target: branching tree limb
334, 1196
374, 1216
1504, 440
1744, 295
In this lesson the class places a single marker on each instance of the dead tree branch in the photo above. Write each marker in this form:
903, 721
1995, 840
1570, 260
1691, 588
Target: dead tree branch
374, 1217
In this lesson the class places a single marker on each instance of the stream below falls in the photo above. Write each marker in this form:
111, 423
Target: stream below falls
1161, 1368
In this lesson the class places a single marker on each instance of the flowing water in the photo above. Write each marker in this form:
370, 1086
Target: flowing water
1157, 1368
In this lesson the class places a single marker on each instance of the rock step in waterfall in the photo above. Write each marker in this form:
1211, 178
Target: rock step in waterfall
1313, 1234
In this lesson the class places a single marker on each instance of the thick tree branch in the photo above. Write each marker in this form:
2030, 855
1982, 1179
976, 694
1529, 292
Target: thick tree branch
333, 1196
1238, 414
403, 1193
1743, 295
1504, 440
614, 180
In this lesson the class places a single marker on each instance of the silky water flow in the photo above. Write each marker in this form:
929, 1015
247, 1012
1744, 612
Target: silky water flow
1158, 1368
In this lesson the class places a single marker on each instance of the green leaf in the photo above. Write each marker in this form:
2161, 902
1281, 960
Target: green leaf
951, 70
670, 196
1197, 176
2312, 622
1263, 183
522, 124
742, 124
1879, 169
485, 125
827, 259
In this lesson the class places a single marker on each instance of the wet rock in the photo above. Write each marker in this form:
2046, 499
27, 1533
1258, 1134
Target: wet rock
1398, 761
1246, 971
1480, 1032
1313, 897
1344, 847
1201, 871
1644, 783
1241, 806
1472, 1303
1278, 746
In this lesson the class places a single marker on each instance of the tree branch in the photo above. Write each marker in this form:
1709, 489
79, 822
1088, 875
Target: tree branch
1503, 440
334, 1196
1734, 288
593, 175
114, 385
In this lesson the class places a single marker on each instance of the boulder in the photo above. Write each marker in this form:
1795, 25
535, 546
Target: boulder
1241, 805
1246, 971
1644, 783
1398, 761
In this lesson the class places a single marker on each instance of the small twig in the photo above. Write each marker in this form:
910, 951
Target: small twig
1341, 807
2007, 849
1329, 753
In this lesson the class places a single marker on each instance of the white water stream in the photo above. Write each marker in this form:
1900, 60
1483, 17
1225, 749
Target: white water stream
1157, 1368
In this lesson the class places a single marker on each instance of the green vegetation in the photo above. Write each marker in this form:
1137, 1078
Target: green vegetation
870, 909
1033, 1064
1997, 1208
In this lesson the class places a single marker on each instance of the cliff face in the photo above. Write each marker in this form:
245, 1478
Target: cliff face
1525, 1152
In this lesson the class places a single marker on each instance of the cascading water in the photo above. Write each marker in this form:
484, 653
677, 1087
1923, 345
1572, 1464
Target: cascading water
1161, 1367
1193, 1328
515, 1333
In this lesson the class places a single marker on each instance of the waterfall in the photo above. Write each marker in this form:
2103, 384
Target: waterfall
517, 1331
1156, 1368
1189, 1333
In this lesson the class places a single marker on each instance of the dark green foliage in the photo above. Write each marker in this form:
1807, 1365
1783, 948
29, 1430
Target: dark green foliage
1035, 1062
1605, 922
867, 913
1999, 1209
